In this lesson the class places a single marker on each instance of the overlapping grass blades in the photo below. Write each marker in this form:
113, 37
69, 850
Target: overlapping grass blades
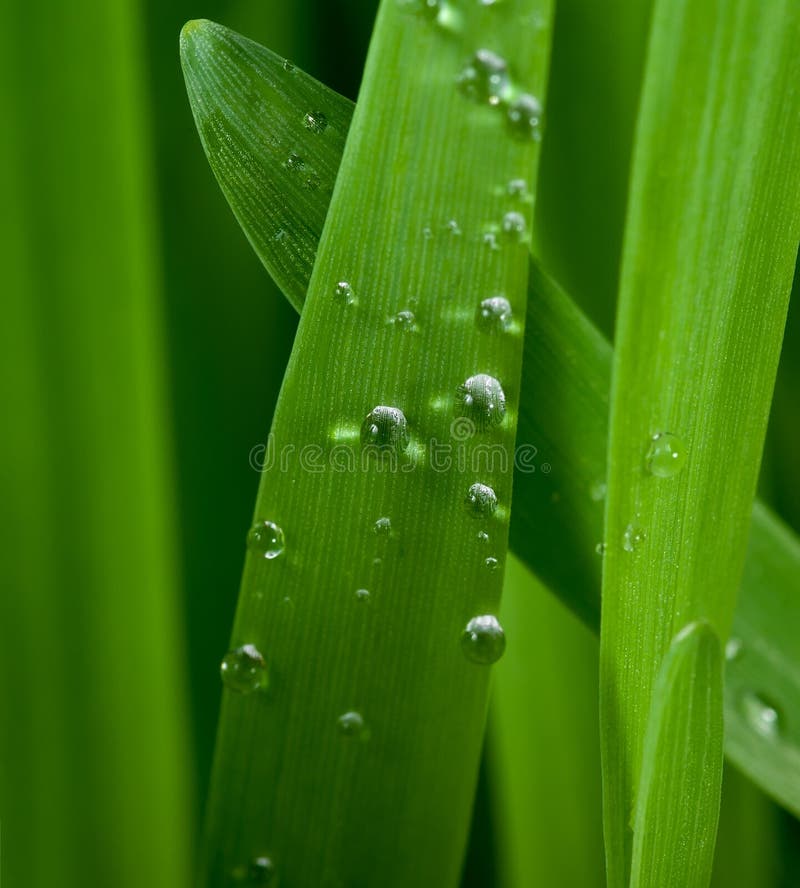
557, 520
710, 245
94, 783
344, 802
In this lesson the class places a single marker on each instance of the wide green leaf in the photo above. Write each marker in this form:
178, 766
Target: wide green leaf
677, 805
369, 734
557, 521
710, 246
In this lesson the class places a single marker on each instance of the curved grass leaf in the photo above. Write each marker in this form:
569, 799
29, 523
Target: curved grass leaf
94, 782
366, 744
677, 806
564, 410
710, 247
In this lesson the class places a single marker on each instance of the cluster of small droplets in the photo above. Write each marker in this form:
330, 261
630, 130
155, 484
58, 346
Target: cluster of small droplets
524, 118
665, 455
481, 501
343, 293
385, 428
485, 79
481, 399
244, 670
266, 539
315, 121
494, 314
483, 640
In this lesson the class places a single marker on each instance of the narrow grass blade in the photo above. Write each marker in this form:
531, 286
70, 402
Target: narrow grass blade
544, 744
677, 806
367, 743
710, 246
557, 525
94, 745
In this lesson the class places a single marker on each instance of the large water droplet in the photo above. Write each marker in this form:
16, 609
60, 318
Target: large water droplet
483, 640
265, 538
762, 715
343, 293
485, 79
524, 118
385, 428
244, 670
481, 399
316, 121
351, 724
633, 537
665, 455
481, 501
494, 314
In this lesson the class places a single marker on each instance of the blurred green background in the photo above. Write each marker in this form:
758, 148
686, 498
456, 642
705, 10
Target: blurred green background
142, 348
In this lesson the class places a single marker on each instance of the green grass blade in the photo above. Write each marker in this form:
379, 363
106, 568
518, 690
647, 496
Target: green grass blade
544, 744
336, 806
677, 806
564, 410
710, 246
94, 751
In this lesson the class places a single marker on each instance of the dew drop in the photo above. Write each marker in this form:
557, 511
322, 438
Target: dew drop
453, 228
343, 293
494, 314
287, 65
294, 162
762, 716
483, 537
483, 640
481, 501
518, 188
315, 121
490, 240
312, 182
427, 232
265, 538
362, 595
481, 399
514, 226
491, 563
733, 648
665, 456
383, 527
600, 548
405, 320
351, 724
633, 537
430, 9
244, 670
485, 79
598, 491
260, 871
524, 118
385, 428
